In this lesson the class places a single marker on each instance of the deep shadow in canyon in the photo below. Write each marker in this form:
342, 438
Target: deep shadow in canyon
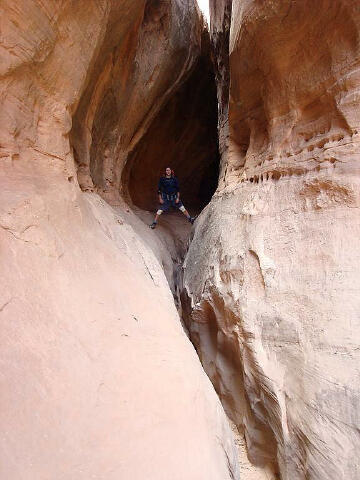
183, 136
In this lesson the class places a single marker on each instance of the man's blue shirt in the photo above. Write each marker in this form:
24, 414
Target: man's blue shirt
168, 186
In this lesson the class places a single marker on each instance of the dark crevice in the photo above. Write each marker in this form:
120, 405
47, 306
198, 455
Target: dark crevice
184, 137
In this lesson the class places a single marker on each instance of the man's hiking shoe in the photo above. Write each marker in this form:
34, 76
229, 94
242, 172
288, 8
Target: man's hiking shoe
153, 225
192, 220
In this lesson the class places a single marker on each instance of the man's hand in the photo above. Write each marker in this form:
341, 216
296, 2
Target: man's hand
177, 200
161, 200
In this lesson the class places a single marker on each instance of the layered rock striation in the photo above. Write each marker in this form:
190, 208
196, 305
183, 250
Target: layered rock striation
98, 378
136, 76
272, 270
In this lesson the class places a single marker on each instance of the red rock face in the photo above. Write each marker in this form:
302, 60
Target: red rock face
98, 378
293, 100
184, 137
134, 76
273, 266
220, 12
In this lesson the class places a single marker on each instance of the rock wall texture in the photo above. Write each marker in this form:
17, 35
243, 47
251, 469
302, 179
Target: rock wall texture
135, 73
272, 272
184, 136
98, 379
220, 13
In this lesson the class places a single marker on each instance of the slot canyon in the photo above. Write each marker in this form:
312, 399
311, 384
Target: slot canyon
224, 350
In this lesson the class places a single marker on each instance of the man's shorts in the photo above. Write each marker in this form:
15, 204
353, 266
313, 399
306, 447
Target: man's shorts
169, 203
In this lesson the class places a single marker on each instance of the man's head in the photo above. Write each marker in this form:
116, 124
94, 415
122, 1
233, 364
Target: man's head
168, 171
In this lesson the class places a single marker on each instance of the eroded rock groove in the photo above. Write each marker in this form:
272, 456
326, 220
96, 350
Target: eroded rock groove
98, 378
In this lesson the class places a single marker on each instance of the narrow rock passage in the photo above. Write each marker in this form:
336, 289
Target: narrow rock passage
169, 243
183, 136
98, 377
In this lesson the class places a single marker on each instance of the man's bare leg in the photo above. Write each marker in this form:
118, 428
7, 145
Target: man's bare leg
154, 223
186, 213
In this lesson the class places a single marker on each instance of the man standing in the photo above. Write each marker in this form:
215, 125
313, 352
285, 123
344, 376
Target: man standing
169, 196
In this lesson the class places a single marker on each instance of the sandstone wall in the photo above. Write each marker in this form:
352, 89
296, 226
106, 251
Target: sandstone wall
272, 271
220, 14
98, 379
184, 136
132, 79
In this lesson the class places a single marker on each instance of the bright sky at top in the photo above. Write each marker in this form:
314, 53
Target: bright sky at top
204, 6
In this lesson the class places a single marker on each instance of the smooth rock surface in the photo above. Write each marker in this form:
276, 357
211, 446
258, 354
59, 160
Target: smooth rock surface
134, 76
272, 273
98, 378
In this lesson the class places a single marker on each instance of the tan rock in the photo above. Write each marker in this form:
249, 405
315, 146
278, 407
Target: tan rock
184, 136
132, 79
98, 379
272, 271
